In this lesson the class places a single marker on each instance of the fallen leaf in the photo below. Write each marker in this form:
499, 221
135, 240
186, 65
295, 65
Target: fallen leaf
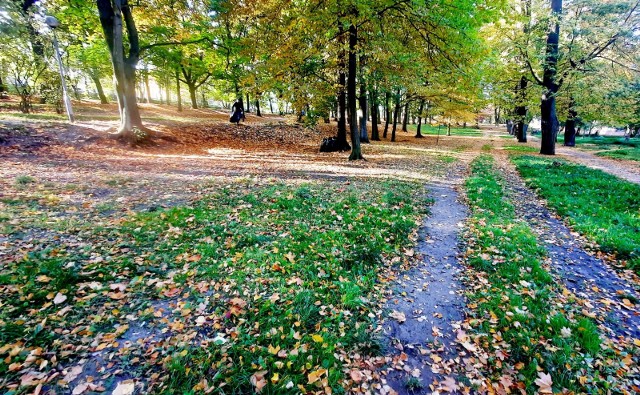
398, 316
124, 388
544, 383
258, 381
60, 298
315, 375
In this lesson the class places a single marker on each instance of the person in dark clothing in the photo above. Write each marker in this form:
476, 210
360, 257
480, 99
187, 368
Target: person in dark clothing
237, 113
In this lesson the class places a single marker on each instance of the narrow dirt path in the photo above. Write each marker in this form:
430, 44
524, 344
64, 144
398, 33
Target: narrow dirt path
430, 298
605, 294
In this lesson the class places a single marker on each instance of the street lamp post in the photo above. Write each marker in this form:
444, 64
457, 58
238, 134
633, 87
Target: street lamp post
53, 23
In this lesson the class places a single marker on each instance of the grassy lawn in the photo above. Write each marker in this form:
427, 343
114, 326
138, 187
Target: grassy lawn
630, 147
442, 131
272, 286
622, 153
520, 148
524, 321
603, 207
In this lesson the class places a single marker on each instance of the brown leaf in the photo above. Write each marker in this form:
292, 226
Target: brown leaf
258, 381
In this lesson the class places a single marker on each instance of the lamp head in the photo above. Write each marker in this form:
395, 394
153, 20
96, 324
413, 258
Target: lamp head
51, 21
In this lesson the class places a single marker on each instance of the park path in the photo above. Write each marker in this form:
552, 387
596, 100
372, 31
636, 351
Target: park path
627, 170
602, 291
430, 297
622, 169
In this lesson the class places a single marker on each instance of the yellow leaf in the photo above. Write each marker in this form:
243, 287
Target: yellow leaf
273, 350
275, 378
315, 375
317, 338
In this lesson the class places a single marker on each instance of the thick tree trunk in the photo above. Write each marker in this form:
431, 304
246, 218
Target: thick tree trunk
405, 120
521, 111
396, 113
375, 136
258, 113
420, 109
178, 91
387, 113
248, 103
192, 95
570, 125
101, 95
341, 137
549, 117
356, 151
111, 19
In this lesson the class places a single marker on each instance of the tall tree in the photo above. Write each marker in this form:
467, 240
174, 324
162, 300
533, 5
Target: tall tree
115, 16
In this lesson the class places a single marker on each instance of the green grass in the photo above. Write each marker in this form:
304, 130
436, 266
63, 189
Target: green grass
24, 180
622, 153
518, 299
520, 148
455, 131
287, 277
602, 207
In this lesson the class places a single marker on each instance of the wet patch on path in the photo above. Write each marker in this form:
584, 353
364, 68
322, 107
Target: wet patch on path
427, 304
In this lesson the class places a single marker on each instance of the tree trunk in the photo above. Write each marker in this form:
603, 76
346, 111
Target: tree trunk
549, 117
420, 109
111, 19
375, 136
205, 104
167, 91
192, 95
570, 125
147, 95
178, 93
509, 127
248, 103
396, 112
521, 110
405, 120
387, 113
3, 86
258, 113
364, 136
356, 151
341, 137
270, 106
101, 95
